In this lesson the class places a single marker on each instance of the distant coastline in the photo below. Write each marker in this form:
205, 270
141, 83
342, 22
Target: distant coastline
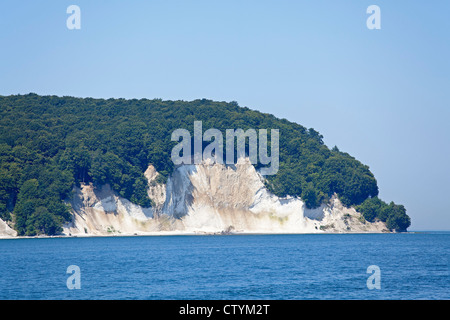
168, 234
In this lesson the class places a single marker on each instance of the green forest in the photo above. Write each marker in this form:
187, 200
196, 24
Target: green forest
48, 144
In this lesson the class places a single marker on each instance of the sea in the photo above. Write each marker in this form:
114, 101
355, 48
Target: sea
413, 265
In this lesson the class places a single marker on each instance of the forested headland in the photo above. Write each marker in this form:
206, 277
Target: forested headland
48, 144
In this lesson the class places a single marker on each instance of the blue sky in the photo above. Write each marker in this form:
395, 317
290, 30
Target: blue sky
380, 95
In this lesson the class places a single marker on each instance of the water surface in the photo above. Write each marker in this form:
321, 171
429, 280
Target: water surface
309, 266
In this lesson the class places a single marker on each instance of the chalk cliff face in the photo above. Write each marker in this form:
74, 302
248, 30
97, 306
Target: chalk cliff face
6, 231
204, 199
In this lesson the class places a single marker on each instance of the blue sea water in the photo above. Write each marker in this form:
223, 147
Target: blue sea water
286, 267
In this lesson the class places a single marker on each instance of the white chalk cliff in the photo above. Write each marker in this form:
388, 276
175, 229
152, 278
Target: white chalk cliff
204, 199
6, 231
